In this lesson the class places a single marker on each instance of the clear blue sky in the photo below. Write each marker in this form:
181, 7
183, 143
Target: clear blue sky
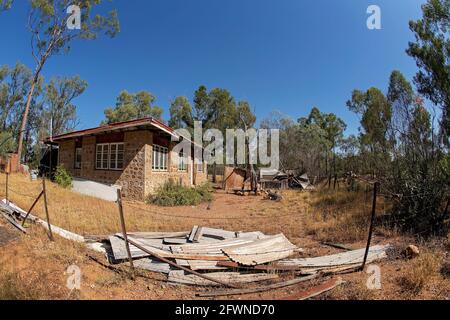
286, 55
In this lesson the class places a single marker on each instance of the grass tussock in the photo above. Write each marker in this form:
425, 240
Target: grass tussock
12, 287
172, 194
420, 271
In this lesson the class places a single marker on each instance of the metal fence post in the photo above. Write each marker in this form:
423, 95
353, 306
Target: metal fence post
372, 222
124, 230
46, 209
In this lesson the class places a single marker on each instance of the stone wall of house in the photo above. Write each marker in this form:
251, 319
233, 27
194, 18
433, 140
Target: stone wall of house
137, 180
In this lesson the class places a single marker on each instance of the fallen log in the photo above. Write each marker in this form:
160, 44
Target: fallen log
256, 290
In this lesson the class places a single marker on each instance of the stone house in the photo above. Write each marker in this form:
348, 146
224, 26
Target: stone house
135, 155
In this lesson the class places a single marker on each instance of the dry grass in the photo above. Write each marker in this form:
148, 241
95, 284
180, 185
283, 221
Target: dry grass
33, 268
90, 216
420, 272
338, 215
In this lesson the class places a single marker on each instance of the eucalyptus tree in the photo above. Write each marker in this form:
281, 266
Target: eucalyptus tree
48, 23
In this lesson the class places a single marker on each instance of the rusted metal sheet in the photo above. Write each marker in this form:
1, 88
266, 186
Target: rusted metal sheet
261, 251
234, 292
340, 259
181, 277
316, 291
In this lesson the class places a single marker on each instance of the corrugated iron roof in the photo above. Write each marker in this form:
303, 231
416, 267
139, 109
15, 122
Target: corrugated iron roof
115, 126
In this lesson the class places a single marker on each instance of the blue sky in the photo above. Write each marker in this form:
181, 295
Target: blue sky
286, 55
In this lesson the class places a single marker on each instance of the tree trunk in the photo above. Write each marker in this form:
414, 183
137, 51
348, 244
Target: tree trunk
25, 118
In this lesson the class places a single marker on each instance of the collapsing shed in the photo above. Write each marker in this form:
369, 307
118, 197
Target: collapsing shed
234, 178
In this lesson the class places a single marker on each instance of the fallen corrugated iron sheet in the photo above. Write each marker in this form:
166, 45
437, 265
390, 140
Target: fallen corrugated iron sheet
261, 251
229, 277
152, 265
316, 291
340, 259
234, 292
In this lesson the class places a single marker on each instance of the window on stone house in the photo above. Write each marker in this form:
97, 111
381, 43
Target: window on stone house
160, 158
110, 156
116, 156
102, 156
182, 161
78, 152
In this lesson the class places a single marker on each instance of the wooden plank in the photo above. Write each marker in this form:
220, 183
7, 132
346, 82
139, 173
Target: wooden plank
175, 241
193, 232
159, 235
14, 222
275, 286
316, 291
230, 277
218, 233
198, 234
256, 235
261, 251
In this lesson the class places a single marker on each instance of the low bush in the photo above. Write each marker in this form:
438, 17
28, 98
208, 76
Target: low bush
172, 194
63, 177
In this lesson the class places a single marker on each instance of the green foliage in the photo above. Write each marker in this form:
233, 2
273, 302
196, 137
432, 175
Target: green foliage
63, 177
172, 194
131, 106
214, 109
431, 50
5, 4
7, 143
60, 111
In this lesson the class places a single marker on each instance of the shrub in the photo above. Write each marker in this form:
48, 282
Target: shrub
171, 194
63, 177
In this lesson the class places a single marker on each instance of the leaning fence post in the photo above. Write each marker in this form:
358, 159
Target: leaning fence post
124, 230
372, 222
44, 190
32, 207
8, 170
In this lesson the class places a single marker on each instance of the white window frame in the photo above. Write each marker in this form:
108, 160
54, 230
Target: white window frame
160, 158
102, 156
182, 162
115, 166
77, 164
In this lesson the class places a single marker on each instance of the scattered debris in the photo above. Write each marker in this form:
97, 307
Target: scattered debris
208, 256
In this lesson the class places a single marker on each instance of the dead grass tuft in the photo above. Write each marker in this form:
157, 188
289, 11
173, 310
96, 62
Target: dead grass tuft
420, 271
